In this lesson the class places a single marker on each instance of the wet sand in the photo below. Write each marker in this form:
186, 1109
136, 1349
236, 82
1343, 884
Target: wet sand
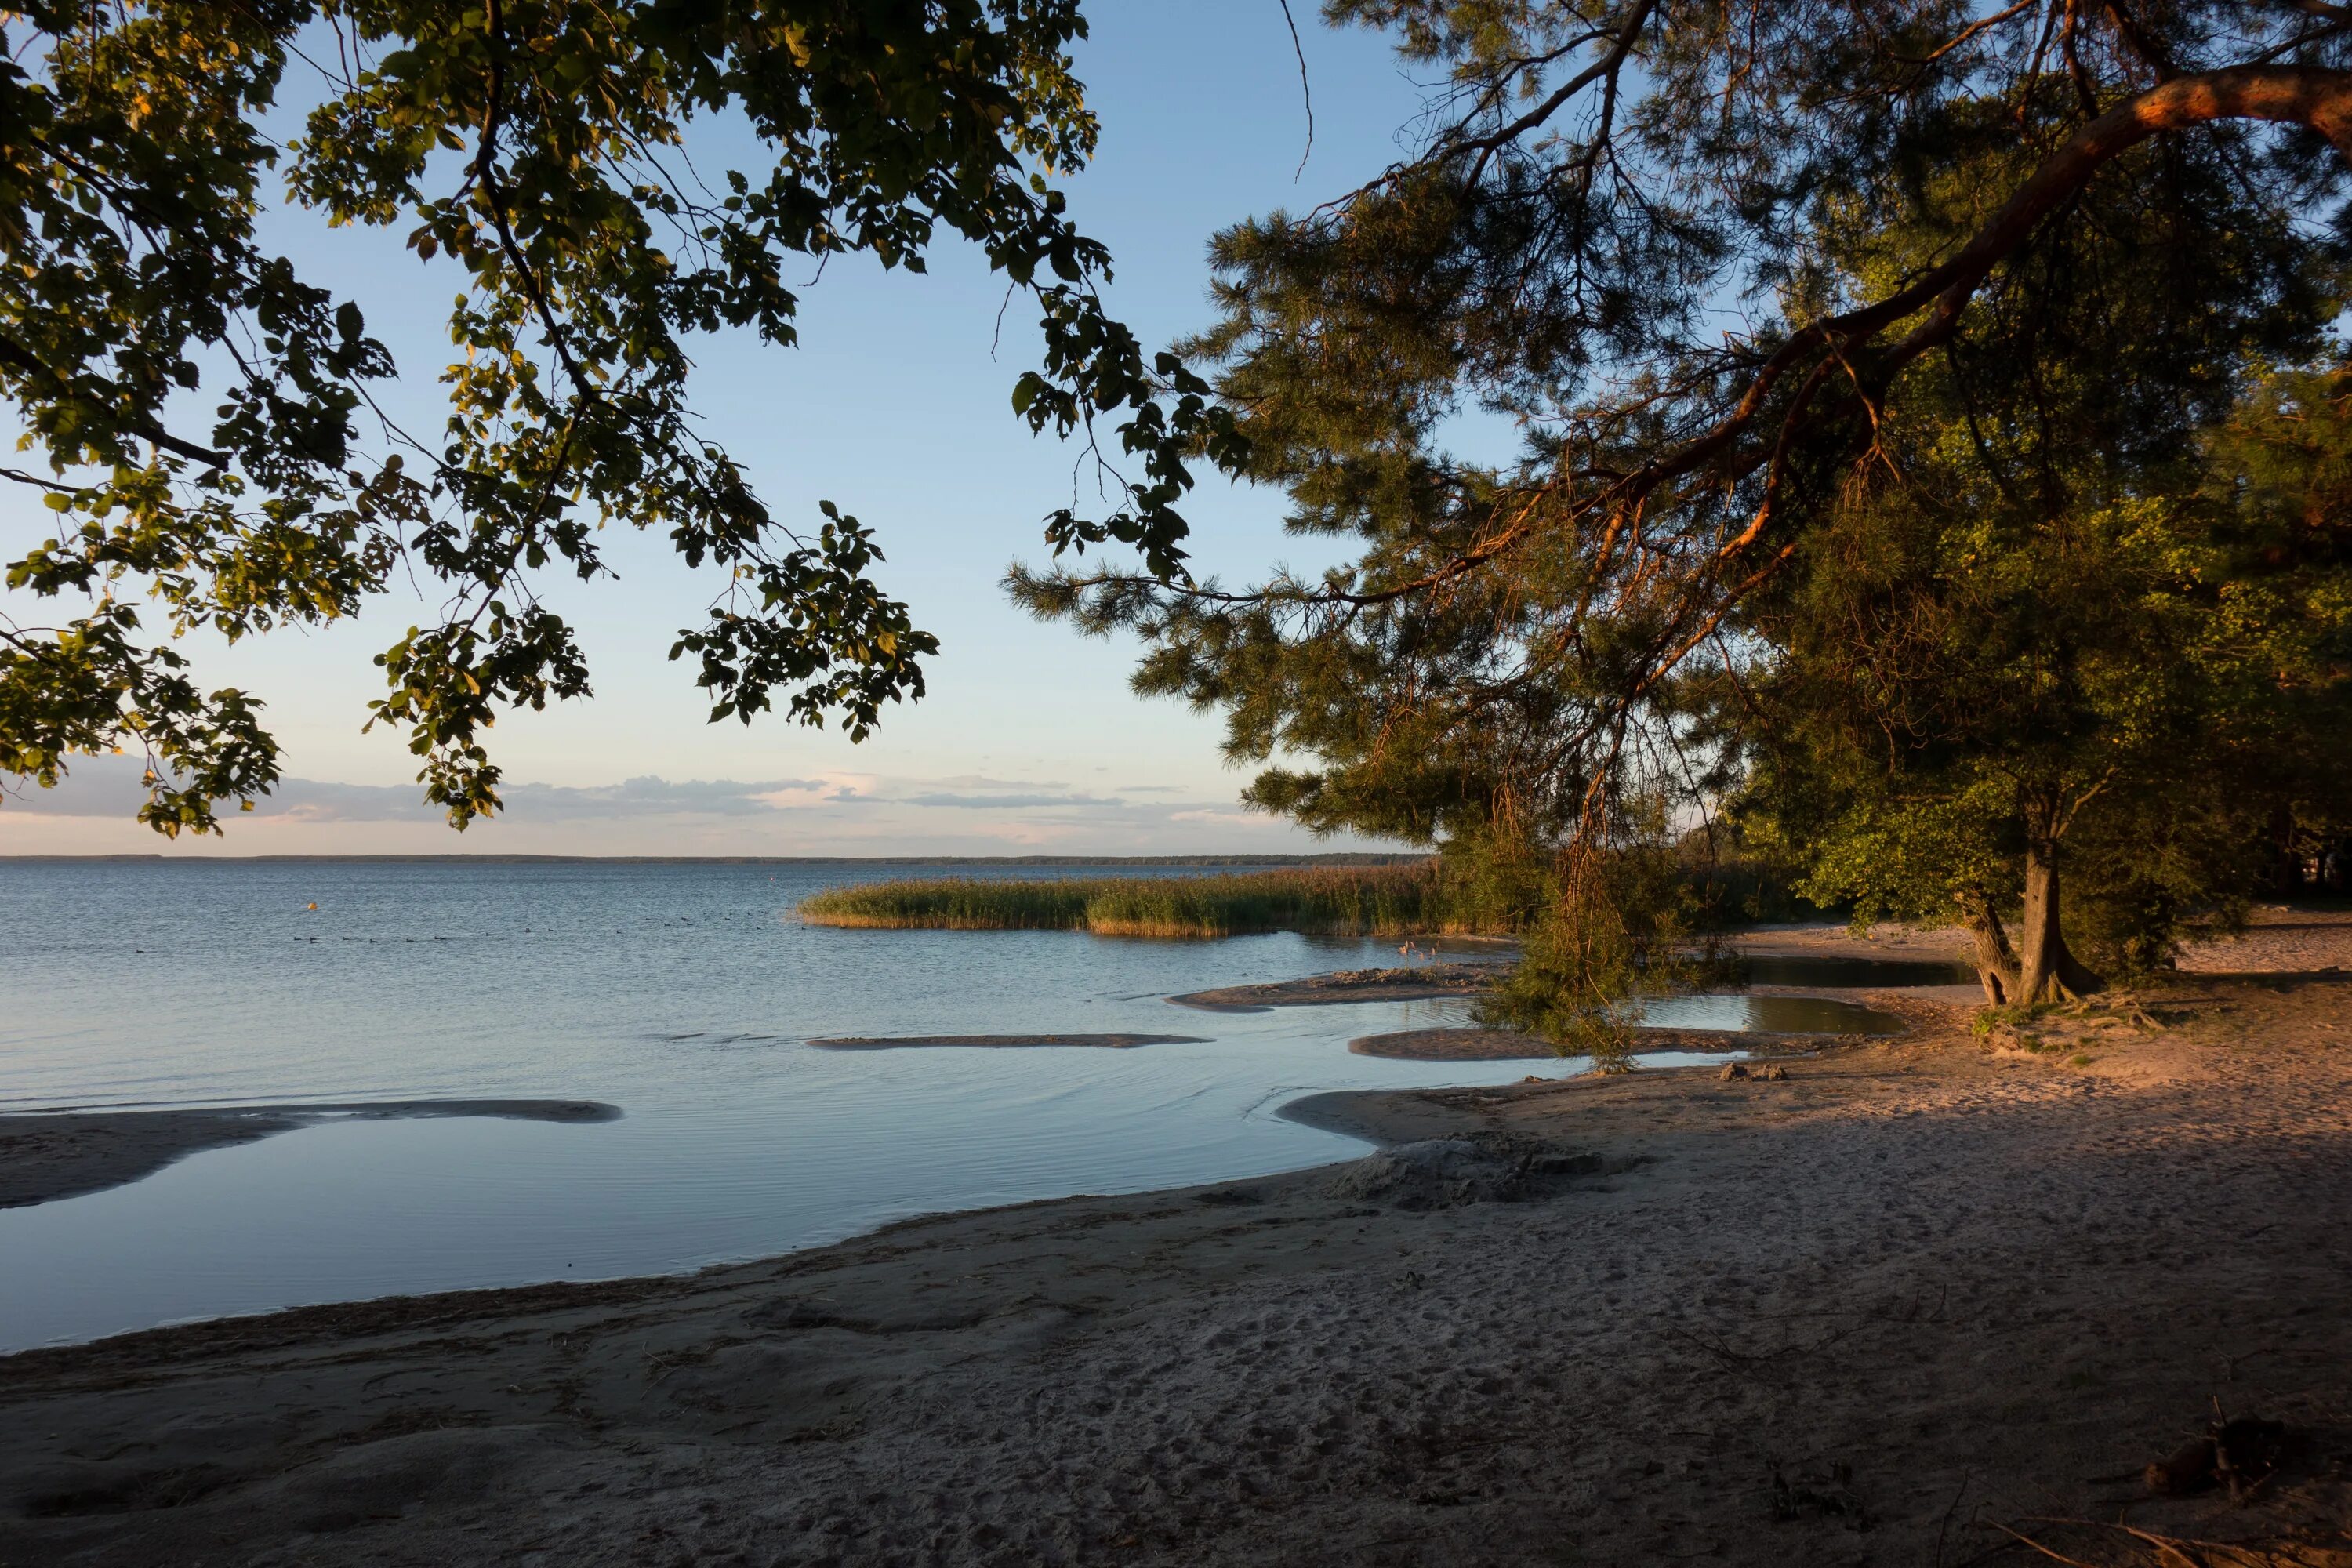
1000, 1042
1418, 983
1921, 1290
48, 1155
1473, 1044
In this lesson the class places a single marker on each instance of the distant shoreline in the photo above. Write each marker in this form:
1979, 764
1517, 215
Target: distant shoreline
1399, 858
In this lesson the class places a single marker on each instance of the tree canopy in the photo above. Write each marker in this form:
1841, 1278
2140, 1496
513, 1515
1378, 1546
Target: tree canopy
2037, 619
1738, 275
204, 417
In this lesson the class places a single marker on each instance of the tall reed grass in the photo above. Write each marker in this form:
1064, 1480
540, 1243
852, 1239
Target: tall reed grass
1340, 901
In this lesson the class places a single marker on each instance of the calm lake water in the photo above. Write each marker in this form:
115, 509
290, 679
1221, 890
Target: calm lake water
683, 994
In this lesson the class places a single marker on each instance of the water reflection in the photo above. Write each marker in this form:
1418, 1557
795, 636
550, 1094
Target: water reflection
1766, 1014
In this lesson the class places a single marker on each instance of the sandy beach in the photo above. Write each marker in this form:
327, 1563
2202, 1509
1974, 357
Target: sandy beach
1923, 1291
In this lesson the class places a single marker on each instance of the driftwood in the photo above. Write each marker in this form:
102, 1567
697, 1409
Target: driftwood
2241, 1455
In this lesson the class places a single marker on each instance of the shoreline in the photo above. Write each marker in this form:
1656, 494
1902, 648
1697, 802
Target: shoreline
1887, 1283
1658, 1316
1474, 1044
49, 1155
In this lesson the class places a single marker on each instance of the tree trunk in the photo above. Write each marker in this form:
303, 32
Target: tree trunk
2048, 972
1996, 961
2286, 859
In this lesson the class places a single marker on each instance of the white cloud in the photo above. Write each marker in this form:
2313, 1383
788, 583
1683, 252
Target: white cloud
115, 787
998, 802
981, 781
93, 811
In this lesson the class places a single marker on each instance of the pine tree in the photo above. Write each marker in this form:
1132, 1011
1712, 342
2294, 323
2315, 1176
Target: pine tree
1716, 262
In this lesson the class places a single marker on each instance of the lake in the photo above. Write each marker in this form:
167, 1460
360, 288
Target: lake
684, 993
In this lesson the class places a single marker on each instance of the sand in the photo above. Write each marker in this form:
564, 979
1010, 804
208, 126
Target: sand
2280, 940
1473, 1044
1892, 940
47, 1155
1923, 1289
1000, 1042
1422, 982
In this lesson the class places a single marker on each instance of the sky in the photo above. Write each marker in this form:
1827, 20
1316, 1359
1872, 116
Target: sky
895, 406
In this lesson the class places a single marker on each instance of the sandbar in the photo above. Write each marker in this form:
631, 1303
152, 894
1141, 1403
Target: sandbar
52, 1154
1421, 983
1472, 1045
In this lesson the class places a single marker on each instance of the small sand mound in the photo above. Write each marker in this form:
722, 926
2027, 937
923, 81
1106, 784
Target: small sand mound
1447, 1173
1440, 1172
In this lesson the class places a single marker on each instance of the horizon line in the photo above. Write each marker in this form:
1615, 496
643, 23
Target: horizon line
1343, 857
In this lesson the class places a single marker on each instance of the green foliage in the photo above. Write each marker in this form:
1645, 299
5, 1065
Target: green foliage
1618, 921
1393, 901
1495, 877
207, 416
2142, 647
954, 903
1772, 294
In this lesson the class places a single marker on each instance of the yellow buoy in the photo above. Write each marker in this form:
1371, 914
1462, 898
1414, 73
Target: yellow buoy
311, 907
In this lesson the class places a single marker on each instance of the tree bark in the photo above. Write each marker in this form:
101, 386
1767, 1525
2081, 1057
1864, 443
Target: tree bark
1996, 960
2048, 971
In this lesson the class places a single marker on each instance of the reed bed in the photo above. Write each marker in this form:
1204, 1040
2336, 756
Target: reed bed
1339, 900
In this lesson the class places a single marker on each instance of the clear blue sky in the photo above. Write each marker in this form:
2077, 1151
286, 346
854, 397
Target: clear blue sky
895, 408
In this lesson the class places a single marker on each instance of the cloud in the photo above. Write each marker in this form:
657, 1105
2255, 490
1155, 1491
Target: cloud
980, 781
842, 812
996, 802
114, 787
709, 797
841, 809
